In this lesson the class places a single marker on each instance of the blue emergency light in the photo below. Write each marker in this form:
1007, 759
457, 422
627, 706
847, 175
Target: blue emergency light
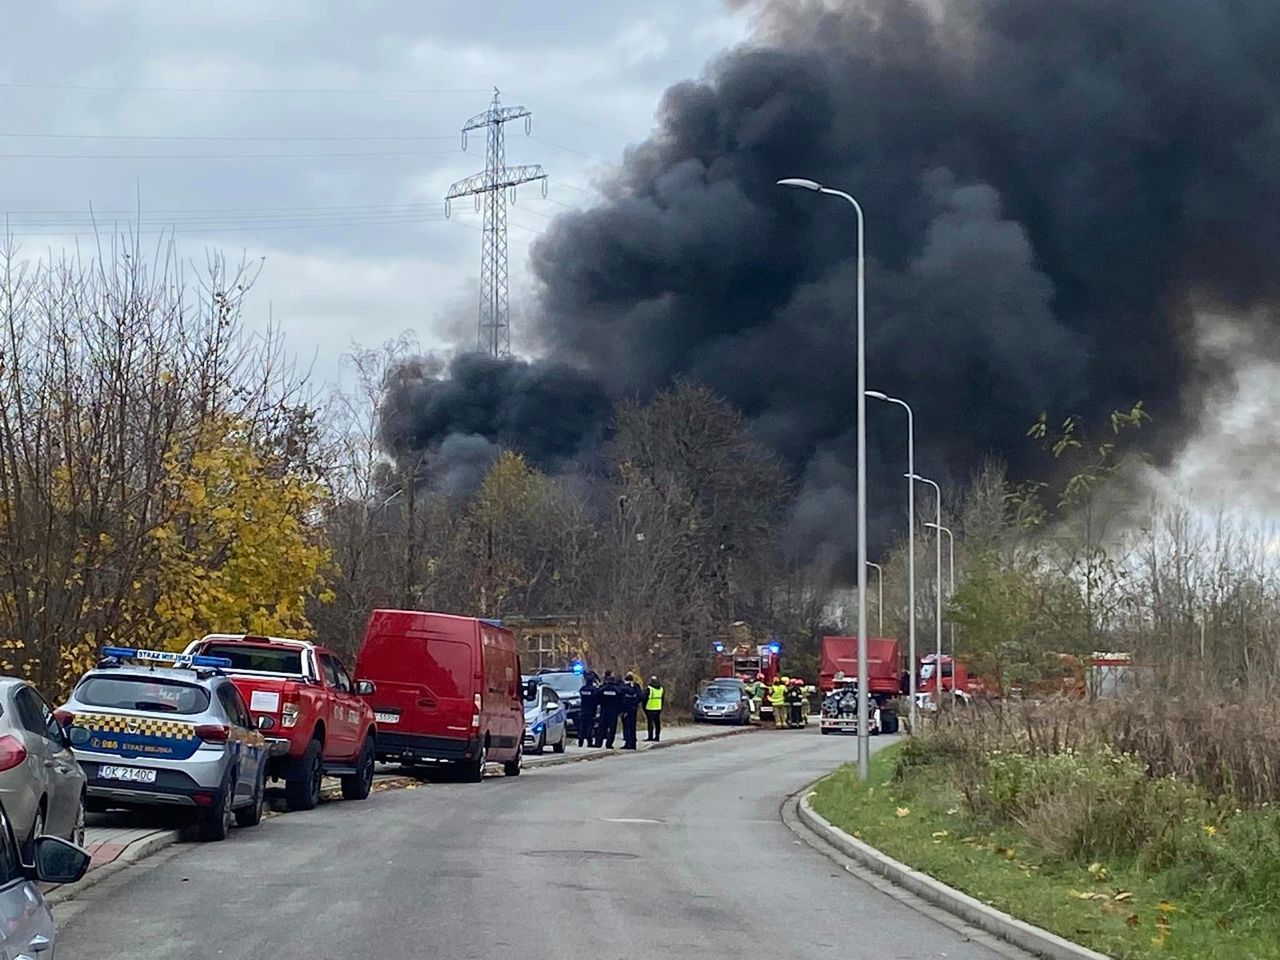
775, 646
165, 657
578, 667
718, 647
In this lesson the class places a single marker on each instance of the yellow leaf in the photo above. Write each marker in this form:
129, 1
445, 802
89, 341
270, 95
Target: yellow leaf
903, 812
1123, 895
1164, 906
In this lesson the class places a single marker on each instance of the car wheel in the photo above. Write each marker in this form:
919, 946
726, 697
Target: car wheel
251, 815
564, 742
77, 831
358, 785
512, 767
472, 771
215, 824
302, 787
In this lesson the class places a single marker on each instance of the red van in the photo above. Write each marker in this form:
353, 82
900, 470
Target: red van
447, 689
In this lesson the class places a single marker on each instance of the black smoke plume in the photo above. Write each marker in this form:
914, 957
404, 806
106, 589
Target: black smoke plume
456, 417
1051, 188
1054, 191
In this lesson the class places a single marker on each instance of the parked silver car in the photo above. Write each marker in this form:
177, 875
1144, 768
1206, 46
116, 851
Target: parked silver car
545, 719
28, 929
178, 735
41, 785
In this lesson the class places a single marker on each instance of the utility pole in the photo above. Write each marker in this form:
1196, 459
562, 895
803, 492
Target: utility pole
491, 189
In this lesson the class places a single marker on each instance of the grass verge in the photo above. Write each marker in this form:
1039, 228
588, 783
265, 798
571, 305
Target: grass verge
1115, 906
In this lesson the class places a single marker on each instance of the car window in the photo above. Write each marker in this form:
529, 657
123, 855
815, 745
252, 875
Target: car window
330, 672
30, 716
550, 697
245, 657
52, 729
137, 693
229, 697
344, 679
243, 717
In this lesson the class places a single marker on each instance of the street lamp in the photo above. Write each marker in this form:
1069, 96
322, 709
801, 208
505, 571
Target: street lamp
879, 597
911, 544
864, 734
937, 617
951, 590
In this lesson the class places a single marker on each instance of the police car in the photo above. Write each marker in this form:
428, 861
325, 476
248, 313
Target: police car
152, 728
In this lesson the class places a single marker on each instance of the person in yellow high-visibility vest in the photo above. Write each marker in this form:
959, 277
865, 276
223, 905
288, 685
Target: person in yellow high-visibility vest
777, 700
653, 710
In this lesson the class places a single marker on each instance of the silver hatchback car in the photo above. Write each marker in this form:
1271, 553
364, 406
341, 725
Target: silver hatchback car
28, 929
41, 785
177, 735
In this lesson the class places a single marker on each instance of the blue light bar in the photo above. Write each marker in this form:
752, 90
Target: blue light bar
775, 647
165, 657
578, 667
718, 647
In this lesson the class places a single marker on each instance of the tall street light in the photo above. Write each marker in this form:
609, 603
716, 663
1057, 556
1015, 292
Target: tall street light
937, 617
911, 543
879, 597
864, 734
951, 589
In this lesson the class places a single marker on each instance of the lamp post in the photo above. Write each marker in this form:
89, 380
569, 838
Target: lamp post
864, 734
879, 597
937, 617
951, 588
911, 544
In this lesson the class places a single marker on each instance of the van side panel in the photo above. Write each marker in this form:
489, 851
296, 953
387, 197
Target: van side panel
503, 714
424, 667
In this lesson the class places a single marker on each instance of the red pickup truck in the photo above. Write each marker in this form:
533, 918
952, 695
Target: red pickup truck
305, 703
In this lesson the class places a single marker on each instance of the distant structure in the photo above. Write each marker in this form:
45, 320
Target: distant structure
490, 188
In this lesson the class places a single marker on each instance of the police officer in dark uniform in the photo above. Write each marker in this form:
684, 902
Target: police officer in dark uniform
611, 696
632, 695
590, 694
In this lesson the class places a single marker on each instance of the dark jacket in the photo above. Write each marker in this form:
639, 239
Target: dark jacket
632, 696
611, 695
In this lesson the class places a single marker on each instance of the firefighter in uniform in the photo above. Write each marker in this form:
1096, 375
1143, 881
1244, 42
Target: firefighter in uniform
777, 700
653, 710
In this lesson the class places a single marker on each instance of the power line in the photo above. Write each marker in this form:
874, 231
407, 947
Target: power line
114, 88
224, 156
588, 156
231, 137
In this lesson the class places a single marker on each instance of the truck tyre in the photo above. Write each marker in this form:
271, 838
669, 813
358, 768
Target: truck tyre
888, 721
472, 771
251, 815
302, 787
358, 785
512, 767
215, 824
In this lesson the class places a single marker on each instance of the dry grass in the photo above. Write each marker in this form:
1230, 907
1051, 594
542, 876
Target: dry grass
1229, 748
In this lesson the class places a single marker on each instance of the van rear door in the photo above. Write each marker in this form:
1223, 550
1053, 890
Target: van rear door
424, 679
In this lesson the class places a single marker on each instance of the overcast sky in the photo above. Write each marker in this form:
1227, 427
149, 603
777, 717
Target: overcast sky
106, 101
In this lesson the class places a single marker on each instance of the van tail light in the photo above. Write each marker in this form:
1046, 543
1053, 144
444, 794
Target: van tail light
213, 732
289, 714
12, 752
65, 718
475, 717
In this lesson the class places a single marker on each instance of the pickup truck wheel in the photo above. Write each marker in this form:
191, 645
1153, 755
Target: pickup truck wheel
358, 785
251, 815
215, 824
302, 787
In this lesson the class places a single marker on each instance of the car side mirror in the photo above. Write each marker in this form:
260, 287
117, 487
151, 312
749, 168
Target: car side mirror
266, 723
364, 688
59, 861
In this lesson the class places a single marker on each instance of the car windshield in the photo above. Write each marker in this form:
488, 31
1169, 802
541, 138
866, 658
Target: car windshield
257, 659
721, 693
135, 693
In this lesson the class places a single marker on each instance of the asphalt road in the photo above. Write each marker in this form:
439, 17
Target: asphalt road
675, 853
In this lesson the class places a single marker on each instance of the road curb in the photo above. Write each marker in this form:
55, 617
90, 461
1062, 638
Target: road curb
138, 850
537, 763
999, 924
